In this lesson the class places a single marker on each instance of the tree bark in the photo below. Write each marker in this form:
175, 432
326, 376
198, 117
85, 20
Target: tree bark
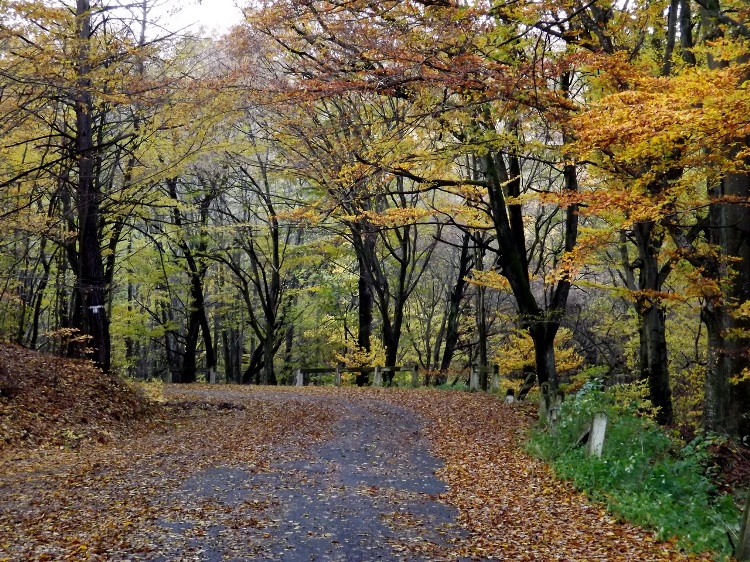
90, 272
364, 316
652, 320
454, 304
727, 406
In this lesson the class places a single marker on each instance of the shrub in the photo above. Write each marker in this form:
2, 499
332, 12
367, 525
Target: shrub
643, 476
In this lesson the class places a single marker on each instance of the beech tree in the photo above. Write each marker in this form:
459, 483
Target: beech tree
56, 62
475, 78
83, 115
676, 137
380, 213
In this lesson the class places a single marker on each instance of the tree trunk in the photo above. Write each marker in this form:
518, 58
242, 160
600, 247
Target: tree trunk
232, 344
90, 273
46, 264
364, 314
656, 367
454, 304
727, 406
717, 402
543, 335
652, 321
189, 362
268, 376
514, 267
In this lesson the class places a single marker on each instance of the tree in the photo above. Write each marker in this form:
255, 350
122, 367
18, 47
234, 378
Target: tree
82, 114
381, 214
196, 258
474, 79
678, 139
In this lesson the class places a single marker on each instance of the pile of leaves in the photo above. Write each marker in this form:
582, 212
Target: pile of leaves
730, 465
51, 401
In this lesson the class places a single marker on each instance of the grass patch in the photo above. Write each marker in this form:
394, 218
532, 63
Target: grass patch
644, 475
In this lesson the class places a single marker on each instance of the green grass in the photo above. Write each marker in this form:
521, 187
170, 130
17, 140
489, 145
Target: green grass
643, 476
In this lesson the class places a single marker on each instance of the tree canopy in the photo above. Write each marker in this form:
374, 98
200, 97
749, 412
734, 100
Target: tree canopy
557, 187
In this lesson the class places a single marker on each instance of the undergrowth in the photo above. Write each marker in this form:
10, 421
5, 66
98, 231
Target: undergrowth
643, 475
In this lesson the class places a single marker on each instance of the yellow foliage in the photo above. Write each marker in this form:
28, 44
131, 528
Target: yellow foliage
353, 355
688, 396
743, 311
307, 215
356, 356
742, 377
634, 396
395, 217
489, 278
518, 352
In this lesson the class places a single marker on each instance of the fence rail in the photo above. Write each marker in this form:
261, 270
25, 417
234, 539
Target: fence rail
475, 379
338, 371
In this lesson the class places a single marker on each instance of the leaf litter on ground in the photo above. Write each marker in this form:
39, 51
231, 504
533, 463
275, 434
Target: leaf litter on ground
129, 487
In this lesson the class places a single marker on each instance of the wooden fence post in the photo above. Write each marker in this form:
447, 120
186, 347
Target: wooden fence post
377, 379
596, 436
337, 379
554, 414
414, 375
300, 378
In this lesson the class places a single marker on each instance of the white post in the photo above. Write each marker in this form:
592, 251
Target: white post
212, 376
554, 413
474, 379
377, 379
597, 433
544, 402
495, 384
300, 378
338, 376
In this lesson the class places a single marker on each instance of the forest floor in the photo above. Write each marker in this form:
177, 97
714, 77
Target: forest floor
246, 473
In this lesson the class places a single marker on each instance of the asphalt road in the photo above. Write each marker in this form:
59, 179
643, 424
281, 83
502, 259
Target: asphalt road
369, 492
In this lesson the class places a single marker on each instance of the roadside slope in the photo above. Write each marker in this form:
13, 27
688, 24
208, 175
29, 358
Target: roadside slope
47, 400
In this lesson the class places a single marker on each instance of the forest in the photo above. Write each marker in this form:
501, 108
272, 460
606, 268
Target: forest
557, 187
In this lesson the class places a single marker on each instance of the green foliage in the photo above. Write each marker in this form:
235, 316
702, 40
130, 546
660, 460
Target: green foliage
643, 475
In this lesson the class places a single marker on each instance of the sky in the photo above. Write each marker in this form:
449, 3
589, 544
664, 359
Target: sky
218, 15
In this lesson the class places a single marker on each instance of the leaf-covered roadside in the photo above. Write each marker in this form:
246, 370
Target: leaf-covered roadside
127, 499
512, 506
113, 501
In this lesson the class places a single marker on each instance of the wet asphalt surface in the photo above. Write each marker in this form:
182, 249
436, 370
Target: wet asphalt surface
368, 493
